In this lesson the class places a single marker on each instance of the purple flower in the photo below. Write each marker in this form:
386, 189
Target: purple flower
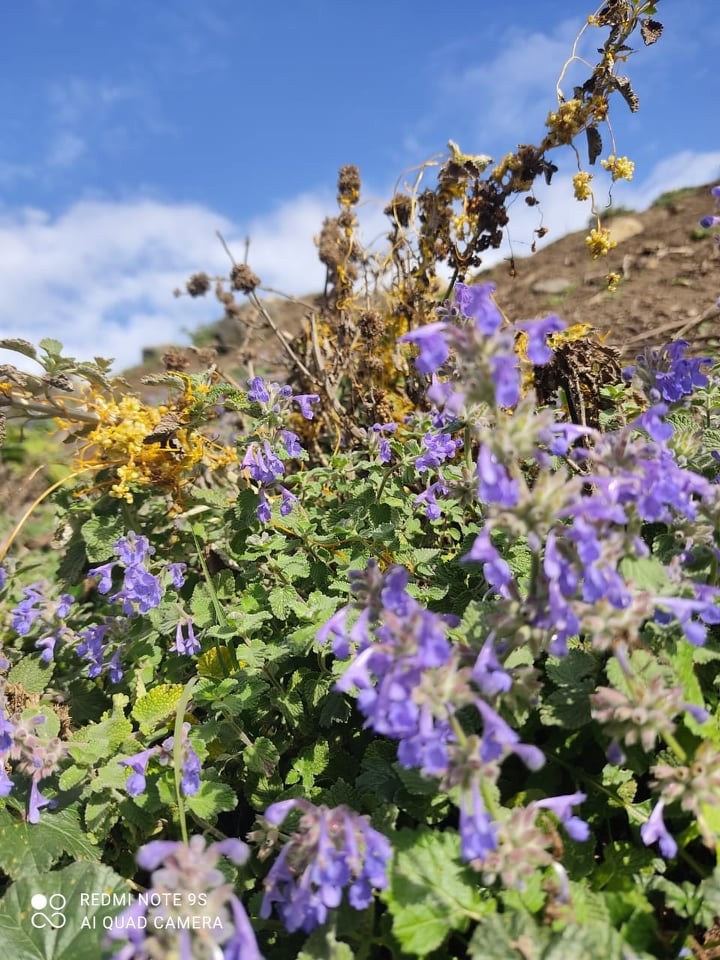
135, 783
47, 645
264, 465
186, 874
562, 808
384, 451
114, 667
6, 783
495, 570
288, 501
92, 647
654, 830
191, 767
291, 442
27, 611
264, 512
242, 945
505, 373
428, 498
476, 302
332, 849
478, 836
305, 401
133, 549
500, 739
190, 645
258, 391
652, 421
439, 447
488, 673
105, 573
63, 606
177, 574
139, 587
537, 333
336, 627
432, 344
683, 608
7, 731
667, 374
190, 763
495, 485
36, 802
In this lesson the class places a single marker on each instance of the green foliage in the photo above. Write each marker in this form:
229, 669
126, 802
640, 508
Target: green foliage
213, 639
430, 894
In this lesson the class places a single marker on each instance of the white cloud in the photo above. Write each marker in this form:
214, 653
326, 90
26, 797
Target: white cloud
100, 276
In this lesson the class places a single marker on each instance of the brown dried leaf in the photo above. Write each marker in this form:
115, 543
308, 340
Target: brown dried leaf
594, 141
651, 31
628, 94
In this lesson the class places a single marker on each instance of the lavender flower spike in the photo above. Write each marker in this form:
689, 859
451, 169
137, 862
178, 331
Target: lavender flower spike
654, 829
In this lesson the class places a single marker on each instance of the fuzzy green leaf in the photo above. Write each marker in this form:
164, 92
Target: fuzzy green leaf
33, 848
32, 674
157, 705
77, 932
430, 893
212, 798
99, 534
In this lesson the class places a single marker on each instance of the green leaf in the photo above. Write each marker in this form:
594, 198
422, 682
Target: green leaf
212, 798
31, 674
569, 705
281, 601
77, 932
323, 945
99, 534
34, 848
157, 705
101, 815
311, 762
645, 573
95, 741
17, 345
430, 892
51, 346
261, 757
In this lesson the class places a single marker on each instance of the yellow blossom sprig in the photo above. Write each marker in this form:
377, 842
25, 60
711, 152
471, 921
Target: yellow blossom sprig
599, 242
581, 185
620, 168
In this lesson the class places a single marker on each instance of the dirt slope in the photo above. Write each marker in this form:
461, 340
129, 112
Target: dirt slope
670, 270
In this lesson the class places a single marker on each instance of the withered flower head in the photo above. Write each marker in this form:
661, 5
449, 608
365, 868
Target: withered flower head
399, 209
198, 285
349, 184
243, 278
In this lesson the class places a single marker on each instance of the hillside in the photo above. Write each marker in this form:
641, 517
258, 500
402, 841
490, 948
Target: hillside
670, 270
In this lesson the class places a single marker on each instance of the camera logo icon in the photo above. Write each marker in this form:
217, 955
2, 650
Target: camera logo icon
48, 911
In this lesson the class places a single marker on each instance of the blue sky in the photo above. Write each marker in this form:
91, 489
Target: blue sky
133, 129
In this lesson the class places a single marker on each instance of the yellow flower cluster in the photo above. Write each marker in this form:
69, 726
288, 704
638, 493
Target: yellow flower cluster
118, 443
568, 120
599, 242
620, 167
613, 279
581, 185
